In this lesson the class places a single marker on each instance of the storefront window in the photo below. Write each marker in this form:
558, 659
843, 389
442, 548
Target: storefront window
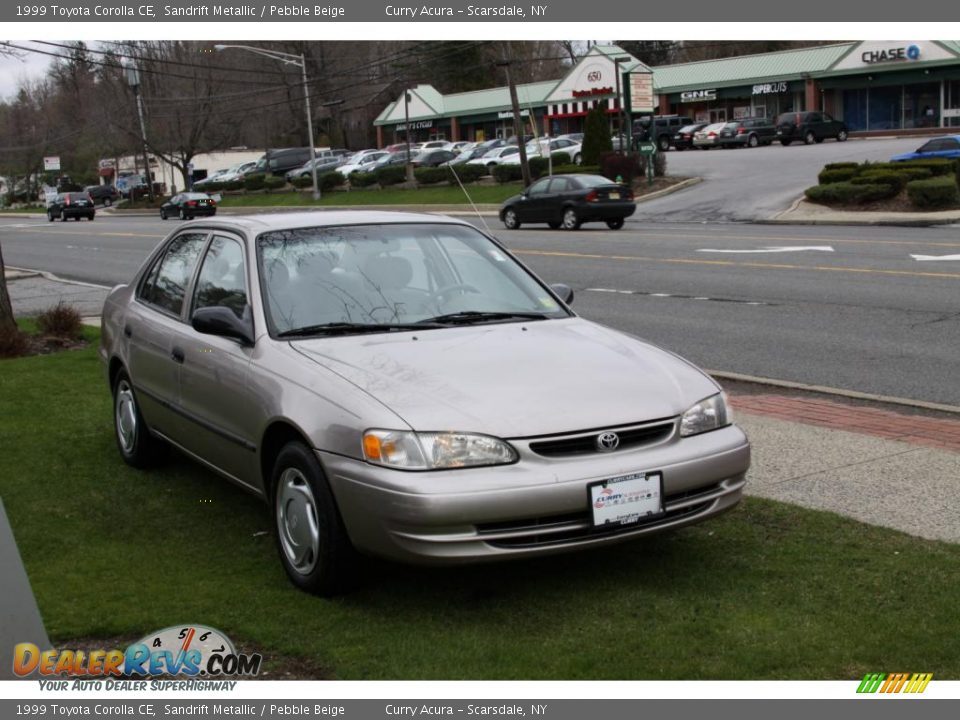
921, 105
885, 108
951, 105
855, 109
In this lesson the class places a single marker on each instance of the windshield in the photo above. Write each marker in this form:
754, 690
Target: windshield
391, 274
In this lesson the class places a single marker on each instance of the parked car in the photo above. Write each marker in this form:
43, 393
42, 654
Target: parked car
433, 158
709, 136
361, 163
279, 162
278, 350
397, 147
461, 146
106, 195
810, 127
947, 146
748, 132
576, 137
399, 157
189, 205
473, 153
545, 147
683, 138
237, 172
492, 158
659, 128
323, 164
436, 145
568, 201
74, 205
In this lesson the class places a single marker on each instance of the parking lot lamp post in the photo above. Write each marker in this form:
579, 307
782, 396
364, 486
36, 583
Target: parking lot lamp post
299, 61
620, 131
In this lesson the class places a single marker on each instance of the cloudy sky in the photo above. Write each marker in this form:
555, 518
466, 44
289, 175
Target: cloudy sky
13, 71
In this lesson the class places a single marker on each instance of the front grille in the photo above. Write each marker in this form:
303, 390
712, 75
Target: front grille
586, 444
571, 527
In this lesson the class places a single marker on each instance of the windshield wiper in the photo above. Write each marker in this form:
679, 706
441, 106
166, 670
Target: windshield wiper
470, 316
345, 328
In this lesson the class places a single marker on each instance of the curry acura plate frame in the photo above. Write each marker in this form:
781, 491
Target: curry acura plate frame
642, 498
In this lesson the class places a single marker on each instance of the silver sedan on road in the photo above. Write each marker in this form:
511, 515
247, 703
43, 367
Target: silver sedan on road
400, 385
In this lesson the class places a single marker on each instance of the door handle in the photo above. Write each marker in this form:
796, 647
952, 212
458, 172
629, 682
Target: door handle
128, 331
177, 355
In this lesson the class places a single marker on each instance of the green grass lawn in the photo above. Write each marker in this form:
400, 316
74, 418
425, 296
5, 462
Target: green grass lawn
443, 195
768, 591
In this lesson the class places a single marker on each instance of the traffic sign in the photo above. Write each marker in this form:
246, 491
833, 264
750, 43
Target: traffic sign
647, 148
51, 163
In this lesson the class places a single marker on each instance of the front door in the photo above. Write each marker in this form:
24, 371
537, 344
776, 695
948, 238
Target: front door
718, 115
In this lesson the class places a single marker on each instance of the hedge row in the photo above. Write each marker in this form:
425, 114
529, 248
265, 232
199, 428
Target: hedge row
928, 183
935, 192
848, 193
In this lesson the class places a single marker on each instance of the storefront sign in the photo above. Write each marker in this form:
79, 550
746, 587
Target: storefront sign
697, 95
951, 112
593, 92
641, 92
507, 114
893, 54
770, 88
51, 163
419, 125
741, 112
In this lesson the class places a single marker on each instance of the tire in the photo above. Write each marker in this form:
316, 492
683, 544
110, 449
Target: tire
137, 446
91, 218
107, 202
50, 216
570, 220
809, 138
615, 223
785, 142
577, 159
753, 141
663, 144
163, 214
63, 218
76, 218
510, 220
553, 225
312, 541
182, 215
842, 136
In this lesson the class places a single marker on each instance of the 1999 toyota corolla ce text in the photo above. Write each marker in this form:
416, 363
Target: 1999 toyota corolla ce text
400, 385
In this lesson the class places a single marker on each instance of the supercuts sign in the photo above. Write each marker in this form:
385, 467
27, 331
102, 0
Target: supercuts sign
770, 88
891, 54
697, 95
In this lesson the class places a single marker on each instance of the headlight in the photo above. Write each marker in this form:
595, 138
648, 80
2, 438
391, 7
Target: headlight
434, 450
706, 415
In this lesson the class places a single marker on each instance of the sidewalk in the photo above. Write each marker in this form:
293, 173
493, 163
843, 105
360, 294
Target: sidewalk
879, 463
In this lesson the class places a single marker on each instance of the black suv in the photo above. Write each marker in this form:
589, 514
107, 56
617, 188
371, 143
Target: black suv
71, 205
811, 127
664, 128
106, 195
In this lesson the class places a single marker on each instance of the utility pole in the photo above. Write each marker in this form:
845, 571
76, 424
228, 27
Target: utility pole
406, 132
133, 79
517, 123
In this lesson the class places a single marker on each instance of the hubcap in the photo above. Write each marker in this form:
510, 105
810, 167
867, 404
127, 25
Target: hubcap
297, 524
126, 417
511, 218
569, 219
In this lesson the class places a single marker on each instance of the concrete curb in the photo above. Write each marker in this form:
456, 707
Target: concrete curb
839, 392
54, 278
682, 185
797, 214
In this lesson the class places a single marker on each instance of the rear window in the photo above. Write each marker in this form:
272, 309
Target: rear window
786, 118
593, 180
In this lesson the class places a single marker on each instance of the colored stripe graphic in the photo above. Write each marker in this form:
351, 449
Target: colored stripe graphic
894, 682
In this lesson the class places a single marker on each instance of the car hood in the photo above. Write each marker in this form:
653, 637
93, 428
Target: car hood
515, 379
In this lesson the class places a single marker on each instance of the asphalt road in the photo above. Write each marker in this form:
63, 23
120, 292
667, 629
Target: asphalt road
863, 316
745, 184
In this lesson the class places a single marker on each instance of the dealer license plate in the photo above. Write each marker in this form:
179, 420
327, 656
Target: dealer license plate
626, 499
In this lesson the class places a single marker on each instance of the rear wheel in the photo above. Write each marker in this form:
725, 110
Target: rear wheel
312, 541
107, 202
577, 159
664, 144
615, 223
753, 141
570, 219
163, 214
841, 136
137, 446
182, 215
50, 216
510, 219
809, 138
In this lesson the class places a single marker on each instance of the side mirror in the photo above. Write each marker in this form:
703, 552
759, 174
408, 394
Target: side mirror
564, 292
222, 321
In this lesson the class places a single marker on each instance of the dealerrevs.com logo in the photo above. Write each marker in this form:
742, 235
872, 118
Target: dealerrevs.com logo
190, 651
894, 682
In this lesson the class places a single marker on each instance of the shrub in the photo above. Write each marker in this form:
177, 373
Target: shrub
913, 173
935, 192
847, 193
538, 167
431, 175
936, 166
233, 185
469, 173
880, 177
507, 173
302, 182
362, 179
272, 182
391, 175
573, 169
329, 180
212, 186
626, 167
254, 182
596, 136
561, 158
827, 177
13, 343
841, 165
62, 321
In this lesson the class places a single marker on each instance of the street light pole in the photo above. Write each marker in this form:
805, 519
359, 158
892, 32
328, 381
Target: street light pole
297, 61
616, 71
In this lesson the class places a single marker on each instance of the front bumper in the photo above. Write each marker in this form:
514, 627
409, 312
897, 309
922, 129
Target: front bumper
538, 505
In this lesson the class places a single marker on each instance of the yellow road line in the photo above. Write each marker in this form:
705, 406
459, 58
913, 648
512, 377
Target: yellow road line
799, 239
728, 263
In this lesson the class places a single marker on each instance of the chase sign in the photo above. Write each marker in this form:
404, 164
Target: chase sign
891, 54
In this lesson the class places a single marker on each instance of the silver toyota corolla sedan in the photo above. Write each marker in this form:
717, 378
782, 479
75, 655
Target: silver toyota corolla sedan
399, 384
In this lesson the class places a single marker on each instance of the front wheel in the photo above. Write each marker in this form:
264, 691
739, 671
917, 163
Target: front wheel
182, 214
163, 214
311, 538
138, 447
50, 216
107, 202
570, 219
577, 159
510, 219
615, 223
841, 136
809, 138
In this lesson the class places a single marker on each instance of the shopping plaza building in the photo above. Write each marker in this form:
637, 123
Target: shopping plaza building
874, 86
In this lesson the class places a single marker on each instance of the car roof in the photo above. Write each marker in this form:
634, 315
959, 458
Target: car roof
268, 222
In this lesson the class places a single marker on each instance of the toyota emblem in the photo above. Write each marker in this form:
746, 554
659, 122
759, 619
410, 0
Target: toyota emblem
608, 441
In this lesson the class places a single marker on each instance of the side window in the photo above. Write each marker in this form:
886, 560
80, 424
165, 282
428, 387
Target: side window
222, 279
950, 144
167, 285
559, 184
538, 188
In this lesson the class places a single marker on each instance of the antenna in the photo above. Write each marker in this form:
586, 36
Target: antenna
470, 200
